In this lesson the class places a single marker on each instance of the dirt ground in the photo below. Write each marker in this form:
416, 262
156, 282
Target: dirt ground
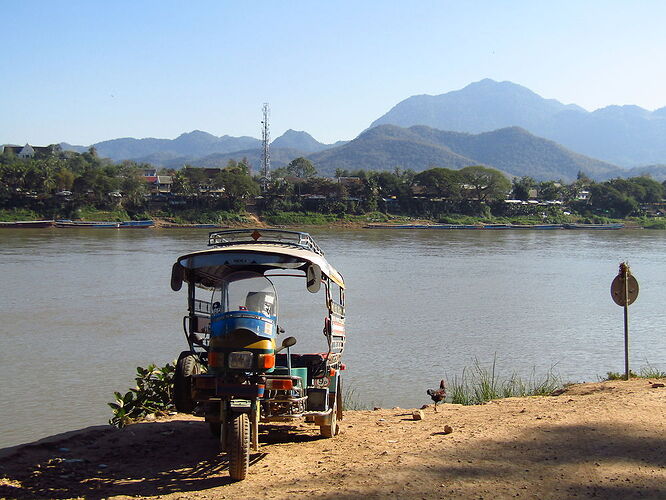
605, 440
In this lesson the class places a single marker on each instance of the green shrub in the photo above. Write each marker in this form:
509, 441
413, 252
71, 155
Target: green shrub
153, 394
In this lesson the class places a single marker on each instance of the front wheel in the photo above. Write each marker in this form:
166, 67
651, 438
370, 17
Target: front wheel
238, 445
186, 366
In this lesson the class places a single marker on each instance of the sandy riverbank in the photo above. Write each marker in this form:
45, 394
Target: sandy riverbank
604, 440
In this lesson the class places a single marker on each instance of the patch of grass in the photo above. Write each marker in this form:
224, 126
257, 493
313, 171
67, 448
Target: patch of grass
93, 214
192, 216
351, 399
647, 371
299, 219
376, 217
17, 214
481, 384
654, 224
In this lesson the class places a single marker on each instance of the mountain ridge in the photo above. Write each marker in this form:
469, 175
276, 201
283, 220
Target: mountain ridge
513, 150
625, 135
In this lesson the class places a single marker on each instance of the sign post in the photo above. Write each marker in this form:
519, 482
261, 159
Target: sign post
624, 290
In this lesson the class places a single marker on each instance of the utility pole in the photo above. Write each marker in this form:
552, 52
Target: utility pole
266, 157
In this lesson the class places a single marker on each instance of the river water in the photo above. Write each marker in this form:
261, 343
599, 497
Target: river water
81, 308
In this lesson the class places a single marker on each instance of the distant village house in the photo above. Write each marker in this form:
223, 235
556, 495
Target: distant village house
26, 151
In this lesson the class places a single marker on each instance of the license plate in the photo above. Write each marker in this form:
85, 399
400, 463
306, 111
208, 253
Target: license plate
240, 403
321, 382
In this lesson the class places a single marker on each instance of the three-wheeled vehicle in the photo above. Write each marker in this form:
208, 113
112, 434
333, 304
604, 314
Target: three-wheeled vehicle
235, 371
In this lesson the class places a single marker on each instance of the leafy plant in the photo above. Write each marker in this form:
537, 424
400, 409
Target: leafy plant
153, 394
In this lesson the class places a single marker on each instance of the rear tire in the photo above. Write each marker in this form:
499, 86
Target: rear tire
328, 431
338, 399
238, 441
215, 429
186, 366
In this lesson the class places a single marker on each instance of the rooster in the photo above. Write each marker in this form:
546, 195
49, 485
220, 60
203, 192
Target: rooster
438, 395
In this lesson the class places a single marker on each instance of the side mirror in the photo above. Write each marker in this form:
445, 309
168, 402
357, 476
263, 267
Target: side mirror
288, 342
177, 273
313, 278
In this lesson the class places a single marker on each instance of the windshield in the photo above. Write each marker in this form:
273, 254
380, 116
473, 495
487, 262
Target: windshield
245, 291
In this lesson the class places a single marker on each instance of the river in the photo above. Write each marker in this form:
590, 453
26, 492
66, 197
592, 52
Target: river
80, 309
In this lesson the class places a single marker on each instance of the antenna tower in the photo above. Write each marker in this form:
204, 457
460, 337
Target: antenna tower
266, 139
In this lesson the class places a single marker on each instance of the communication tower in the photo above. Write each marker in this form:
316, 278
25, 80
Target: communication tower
266, 139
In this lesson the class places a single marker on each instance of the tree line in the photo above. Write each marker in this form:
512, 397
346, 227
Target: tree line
58, 183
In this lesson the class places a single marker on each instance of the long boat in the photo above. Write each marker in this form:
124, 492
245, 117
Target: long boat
540, 227
87, 224
137, 224
172, 225
23, 224
464, 226
602, 227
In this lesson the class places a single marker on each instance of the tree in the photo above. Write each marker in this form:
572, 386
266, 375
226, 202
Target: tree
521, 188
196, 177
549, 191
440, 182
237, 186
652, 191
302, 168
606, 198
485, 184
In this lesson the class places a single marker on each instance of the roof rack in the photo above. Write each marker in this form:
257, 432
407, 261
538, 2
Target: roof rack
230, 237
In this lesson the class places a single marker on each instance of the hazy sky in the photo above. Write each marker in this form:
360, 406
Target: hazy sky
86, 71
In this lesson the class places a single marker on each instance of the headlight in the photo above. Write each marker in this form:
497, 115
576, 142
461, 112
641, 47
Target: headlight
240, 360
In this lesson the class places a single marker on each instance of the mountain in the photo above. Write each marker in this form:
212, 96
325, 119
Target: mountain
624, 135
280, 157
656, 172
194, 144
480, 107
301, 141
512, 150
70, 147
384, 148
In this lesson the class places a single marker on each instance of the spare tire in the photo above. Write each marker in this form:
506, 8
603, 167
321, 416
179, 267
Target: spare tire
186, 366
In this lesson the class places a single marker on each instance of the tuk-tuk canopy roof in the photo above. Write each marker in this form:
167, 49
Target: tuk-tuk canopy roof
242, 249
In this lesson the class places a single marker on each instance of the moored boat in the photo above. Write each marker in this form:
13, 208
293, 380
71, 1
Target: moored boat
537, 226
23, 224
87, 224
603, 227
137, 224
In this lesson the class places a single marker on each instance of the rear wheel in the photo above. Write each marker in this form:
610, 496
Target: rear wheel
238, 445
215, 429
328, 431
338, 399
186, 366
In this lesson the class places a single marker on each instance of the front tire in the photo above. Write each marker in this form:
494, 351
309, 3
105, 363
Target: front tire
238, 440
186, 366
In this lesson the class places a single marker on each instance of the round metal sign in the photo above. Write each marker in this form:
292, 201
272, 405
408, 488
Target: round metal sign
617, 290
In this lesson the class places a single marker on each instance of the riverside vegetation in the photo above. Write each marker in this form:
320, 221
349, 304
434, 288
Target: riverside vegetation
154, 394
64, 184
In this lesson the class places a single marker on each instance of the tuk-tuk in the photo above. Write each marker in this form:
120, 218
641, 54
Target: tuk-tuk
235, 371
